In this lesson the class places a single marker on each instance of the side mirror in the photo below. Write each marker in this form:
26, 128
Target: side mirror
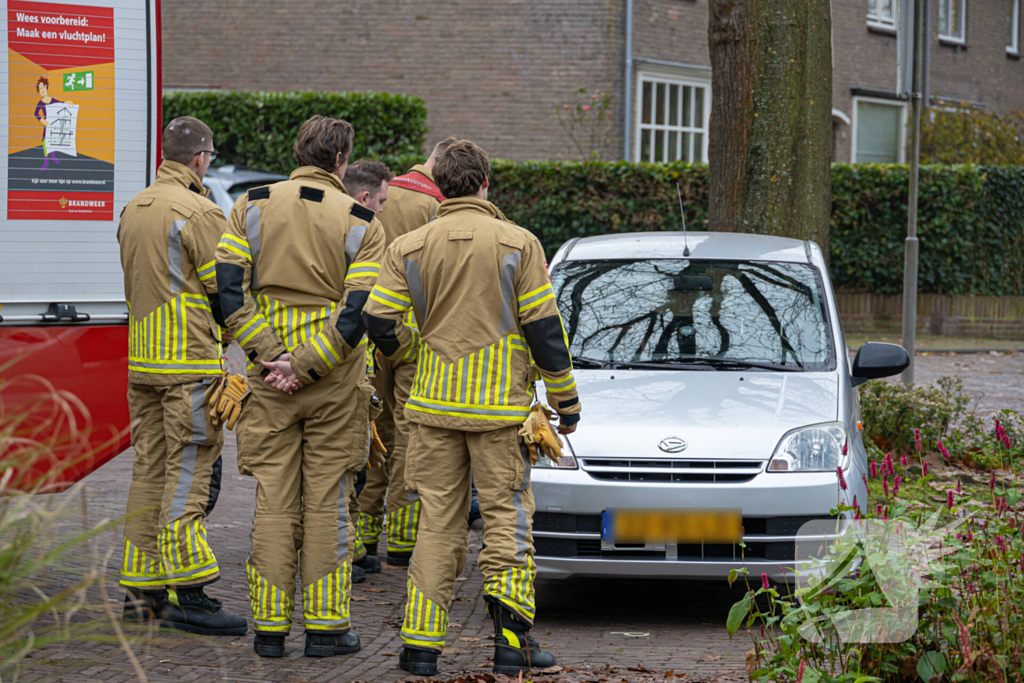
875, 360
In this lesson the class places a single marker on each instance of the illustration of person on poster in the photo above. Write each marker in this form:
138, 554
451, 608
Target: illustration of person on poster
43, 85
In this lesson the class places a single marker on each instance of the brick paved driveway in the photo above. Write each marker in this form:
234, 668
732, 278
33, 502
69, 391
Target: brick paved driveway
661, 625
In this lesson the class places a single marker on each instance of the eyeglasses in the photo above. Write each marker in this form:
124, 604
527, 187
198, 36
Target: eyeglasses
211, 152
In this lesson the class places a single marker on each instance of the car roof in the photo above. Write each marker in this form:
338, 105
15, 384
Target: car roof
233, 175
703, 245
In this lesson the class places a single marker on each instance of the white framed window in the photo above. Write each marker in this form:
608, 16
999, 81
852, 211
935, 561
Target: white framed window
879, 131
1013, 26
882, 14
672, 118
953, 21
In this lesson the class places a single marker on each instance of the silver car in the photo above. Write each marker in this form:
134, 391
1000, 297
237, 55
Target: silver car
718, 405
228, 183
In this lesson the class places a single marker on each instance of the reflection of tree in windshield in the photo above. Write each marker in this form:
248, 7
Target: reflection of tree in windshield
672, 308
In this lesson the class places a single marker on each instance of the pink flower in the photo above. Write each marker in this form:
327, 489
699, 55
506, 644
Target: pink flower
586, 107
885, 487
992, 482
949, 500
800, 672
896, 485
864, 478
924, 470
842, 480
1001, 435
874, 469
1001, 542
958, 489
942, 449
887, 467
846, 446
855, 502
903, 460
917, 439
878, 509
764, 580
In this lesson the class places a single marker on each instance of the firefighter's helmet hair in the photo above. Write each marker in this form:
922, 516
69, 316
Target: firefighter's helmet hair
443, 145
184, 137
461, 169
320, 141
366, 174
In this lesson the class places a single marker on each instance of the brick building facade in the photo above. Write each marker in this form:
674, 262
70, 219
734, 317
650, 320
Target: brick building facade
499, 72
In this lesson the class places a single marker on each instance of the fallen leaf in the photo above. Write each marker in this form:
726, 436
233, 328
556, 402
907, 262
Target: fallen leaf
357, 598
468, 639
454, 624
483, 666
462, 578
164, 661
383, 603
551, 670
376, 590
669, 673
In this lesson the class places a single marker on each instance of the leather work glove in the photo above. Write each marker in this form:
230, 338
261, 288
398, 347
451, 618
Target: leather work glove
539, 436
226, 338
377, 450
226, 401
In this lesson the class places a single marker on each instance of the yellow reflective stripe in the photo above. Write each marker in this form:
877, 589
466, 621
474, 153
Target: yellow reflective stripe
538, 302
231, 238
534, 292
207, 270
389, 304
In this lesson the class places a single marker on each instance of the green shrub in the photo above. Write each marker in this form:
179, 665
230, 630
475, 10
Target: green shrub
972, 136
258, 129
891, 412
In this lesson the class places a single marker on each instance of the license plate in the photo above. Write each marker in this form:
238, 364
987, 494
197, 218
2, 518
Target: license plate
672, 526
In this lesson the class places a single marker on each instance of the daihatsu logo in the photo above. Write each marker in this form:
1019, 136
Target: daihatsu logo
672, 444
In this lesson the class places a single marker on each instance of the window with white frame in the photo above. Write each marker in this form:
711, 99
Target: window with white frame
673, 119
879, 131
1013, 23
953, 20
882, 13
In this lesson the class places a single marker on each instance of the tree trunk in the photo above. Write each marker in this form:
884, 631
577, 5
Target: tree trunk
770, 138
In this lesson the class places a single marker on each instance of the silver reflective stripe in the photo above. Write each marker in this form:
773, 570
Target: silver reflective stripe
522, 523
412, 497
174, 255
412, 277
420, 636
508, 272
352, 244
179, 307
188, 455
328, 622
252, 234
343, 520
196, 366
508, 411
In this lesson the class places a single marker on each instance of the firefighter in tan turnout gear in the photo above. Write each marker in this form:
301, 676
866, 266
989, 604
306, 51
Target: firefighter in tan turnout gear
480, 291
168, 235
294, 269
411, 203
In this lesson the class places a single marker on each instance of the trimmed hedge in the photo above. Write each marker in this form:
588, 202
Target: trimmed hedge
970, 223
258, 129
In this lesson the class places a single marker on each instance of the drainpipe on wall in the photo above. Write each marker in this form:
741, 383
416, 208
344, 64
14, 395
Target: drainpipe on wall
628, 99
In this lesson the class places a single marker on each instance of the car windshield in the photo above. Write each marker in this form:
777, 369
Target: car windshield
699, 311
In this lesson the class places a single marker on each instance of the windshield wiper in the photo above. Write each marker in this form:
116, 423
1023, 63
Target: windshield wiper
588, 363
658, 364
738, 364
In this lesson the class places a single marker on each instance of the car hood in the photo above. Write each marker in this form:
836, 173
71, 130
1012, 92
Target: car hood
719, 414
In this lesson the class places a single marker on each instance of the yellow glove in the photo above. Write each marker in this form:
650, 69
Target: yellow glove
377, 450
539, 436
226, 401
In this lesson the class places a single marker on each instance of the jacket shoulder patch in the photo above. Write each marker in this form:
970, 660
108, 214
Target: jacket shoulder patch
310, 194
142, 201
361, 212
259, 193
512, 241
185, 211
460, 234
409, 246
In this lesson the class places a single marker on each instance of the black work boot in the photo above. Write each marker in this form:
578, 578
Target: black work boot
268, 644
142, 606
401, 559
330, 644
190, 609
371, 549
418, 661
514, 649
358, 575
368, 563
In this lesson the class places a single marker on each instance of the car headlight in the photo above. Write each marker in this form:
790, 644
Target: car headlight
566, 462
816, 448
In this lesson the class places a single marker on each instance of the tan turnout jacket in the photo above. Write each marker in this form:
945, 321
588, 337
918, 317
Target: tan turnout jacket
168, 235
295, 266
405, 210
479, 287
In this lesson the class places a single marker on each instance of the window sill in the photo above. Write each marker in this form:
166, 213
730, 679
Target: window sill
883, 29
953, 42
1012, 54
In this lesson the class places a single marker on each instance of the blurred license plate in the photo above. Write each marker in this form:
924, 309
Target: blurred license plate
672, 526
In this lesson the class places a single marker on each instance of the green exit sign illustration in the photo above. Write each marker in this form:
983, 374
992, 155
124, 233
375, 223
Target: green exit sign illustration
80, 80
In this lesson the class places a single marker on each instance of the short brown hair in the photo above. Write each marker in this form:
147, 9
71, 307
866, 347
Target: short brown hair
184, 137
461, 169
443, 145
320, 141
366, 174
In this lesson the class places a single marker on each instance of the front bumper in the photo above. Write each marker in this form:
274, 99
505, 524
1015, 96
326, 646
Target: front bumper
569, 503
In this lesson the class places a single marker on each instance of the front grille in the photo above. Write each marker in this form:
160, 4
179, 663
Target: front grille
673, 471
591, 548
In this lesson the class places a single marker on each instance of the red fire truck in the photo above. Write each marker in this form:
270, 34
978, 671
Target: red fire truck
82, 137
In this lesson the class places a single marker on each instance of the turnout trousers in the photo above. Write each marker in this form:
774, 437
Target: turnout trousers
304, 450
175, 482
438, 468
393, 382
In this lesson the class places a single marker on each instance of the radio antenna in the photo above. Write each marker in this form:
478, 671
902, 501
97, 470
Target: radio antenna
686, 247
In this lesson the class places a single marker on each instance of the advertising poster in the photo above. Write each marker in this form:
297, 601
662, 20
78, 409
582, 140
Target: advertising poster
61, 110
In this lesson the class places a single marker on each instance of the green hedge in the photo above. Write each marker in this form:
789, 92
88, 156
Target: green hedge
971, 219
258, 129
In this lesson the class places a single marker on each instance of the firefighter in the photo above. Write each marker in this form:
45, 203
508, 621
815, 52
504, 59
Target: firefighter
294, 269
411, 202
481, 293
168, 235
